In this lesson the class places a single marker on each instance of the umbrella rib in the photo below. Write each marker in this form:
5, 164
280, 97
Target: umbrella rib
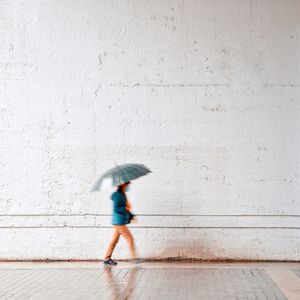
130, 172
123, 174
135, 172
97, 185
142, 171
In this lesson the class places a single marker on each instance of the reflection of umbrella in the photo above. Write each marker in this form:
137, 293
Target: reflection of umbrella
121, 174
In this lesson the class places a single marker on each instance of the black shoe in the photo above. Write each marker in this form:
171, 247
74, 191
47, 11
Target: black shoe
110, 262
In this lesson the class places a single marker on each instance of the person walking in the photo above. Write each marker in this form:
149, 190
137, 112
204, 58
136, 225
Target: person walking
120, 176
121, 216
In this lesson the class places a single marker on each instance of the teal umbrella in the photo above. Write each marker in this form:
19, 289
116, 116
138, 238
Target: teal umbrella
120, 174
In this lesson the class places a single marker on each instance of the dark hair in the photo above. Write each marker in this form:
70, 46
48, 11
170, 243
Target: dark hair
127, 182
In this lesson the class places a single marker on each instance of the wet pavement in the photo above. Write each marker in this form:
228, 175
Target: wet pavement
149, 280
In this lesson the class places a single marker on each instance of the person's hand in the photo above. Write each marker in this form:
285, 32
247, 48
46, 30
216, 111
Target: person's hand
128, 206
134, 220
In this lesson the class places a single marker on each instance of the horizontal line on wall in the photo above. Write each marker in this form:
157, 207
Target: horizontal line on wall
150, 220
281, 85
169, 85
137, 84
164, 85
144, 215
145, 227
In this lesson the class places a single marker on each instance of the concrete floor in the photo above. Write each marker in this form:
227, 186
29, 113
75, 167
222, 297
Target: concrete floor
149, 280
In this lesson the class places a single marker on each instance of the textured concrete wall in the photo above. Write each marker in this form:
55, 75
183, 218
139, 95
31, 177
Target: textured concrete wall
205, 93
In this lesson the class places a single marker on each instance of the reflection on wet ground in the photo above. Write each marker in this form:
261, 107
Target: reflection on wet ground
120, 283
148, 281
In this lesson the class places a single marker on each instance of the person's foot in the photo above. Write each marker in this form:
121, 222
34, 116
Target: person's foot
109, 262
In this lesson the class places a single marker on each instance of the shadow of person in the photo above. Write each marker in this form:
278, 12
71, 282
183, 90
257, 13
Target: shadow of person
120, 282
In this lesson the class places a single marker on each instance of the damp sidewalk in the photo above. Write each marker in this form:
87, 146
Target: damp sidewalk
149, 280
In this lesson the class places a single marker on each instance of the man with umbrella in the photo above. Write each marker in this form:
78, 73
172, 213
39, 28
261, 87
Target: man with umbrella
120, 176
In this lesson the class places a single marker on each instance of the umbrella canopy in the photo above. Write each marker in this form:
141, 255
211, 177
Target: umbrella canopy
120, 174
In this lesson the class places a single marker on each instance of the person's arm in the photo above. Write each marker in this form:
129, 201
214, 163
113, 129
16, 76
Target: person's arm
128, 206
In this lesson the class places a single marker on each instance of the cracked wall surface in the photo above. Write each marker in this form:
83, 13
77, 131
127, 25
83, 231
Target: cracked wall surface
205, 93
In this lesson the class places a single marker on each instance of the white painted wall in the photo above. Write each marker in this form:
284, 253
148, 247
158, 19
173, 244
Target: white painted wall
205, 93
